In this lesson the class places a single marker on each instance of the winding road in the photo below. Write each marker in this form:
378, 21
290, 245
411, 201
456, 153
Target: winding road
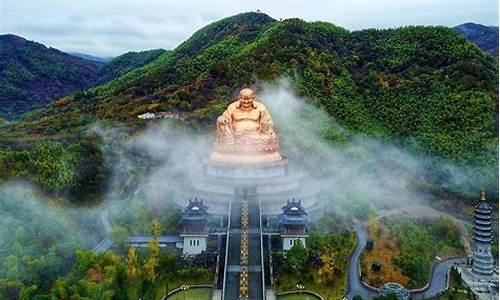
437, 284
355, 285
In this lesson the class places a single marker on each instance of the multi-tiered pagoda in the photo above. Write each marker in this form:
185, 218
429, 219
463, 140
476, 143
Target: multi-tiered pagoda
482, 259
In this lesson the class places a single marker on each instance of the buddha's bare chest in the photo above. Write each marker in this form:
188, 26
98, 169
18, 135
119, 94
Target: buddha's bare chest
239, 115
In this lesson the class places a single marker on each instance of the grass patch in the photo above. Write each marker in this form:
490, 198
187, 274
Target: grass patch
193, 294
204, 278
297, 297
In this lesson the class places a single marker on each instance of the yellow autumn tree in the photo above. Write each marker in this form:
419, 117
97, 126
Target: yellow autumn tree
330, 270
156, 229
154, 246
373, 227
132, 266
150, 268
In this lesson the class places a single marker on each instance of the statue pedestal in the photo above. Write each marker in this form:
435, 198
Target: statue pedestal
246, 171
245, 154
273, 182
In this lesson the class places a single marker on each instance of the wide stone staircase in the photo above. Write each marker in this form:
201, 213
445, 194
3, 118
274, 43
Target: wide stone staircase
243, 278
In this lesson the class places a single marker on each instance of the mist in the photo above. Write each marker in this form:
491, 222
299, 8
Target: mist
149, 168
352, 168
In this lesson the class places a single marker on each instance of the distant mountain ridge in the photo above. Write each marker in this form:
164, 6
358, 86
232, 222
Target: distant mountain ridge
33, 75
125, 63
485, 37
98, 59
22, 92
395, 83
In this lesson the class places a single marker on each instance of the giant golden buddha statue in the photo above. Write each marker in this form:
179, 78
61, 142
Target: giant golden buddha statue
245, 133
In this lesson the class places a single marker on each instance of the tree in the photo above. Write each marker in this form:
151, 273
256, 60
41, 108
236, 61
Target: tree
357, 297
10, 289
13, 272
329, 270
296, 258
150, 269
86, 260
156, 229
28, 293
132, 266
154, 246
121, 282
119, 235
54, 166
373, 227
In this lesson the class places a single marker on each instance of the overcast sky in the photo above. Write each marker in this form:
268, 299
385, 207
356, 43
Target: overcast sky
112, 27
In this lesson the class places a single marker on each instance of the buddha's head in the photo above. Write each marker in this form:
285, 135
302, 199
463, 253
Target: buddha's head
246, 99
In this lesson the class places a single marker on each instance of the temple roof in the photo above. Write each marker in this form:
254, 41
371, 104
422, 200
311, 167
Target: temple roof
293, 208
195, 211
163, 239
293, 214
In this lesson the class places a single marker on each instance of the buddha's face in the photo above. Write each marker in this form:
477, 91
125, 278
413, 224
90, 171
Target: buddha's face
246, 98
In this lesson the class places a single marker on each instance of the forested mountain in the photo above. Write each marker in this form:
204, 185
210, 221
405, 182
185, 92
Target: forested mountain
485, 37
124, 63
39, 81
403, 83
32, 75
427, 88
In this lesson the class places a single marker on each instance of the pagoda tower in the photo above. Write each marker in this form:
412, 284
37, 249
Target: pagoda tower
482, 263
293, 221
194, 228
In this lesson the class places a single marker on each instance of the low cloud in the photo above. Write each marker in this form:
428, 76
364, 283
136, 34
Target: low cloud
149, 169
350, 167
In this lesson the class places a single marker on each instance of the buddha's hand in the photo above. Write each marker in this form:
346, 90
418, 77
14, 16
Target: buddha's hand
222, 120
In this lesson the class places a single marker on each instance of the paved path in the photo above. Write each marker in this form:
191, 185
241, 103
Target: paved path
217, 294
105, 221
439, 278
438, 282
355, 287
270, 295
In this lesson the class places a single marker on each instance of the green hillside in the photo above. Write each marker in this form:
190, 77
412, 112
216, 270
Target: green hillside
32, 75
426, 88
125, 63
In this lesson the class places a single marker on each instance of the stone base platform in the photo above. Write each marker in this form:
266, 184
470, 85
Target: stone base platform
273, 183
485, 287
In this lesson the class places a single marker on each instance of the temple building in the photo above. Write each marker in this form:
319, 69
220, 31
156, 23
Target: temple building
482, 263
293, 222
194, 228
